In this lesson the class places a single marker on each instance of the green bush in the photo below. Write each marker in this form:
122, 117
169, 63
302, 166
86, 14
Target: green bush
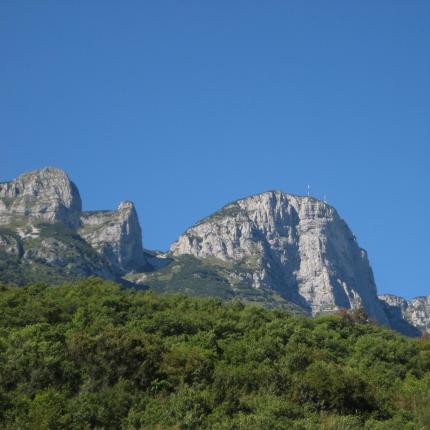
91, 355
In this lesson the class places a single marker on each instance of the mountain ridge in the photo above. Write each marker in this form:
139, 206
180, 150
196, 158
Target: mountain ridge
273, 248
289, 236
41, 215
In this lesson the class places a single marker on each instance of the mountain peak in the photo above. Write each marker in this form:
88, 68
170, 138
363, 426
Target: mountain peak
44, 194
37, 205
299, 247
116, 235
126, 205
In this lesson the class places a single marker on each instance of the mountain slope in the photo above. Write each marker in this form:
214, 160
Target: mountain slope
407, 316
210, 277
273, 249
47, 252
45, 236
298, 247
117, 236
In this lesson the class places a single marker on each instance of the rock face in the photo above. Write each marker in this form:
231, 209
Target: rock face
273, 248
43, 231
47, 252
299, 246
415, 313
46, 194
117, 236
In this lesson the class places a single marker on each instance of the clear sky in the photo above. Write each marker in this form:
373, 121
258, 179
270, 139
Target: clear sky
183, 106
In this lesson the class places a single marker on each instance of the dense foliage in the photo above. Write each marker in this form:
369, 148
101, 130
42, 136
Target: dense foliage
92, 355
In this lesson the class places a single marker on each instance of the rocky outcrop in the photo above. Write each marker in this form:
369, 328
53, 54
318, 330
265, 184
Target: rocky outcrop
10, 244
46, 194
68, 253
407, 316
117, 236
42, 226
298, 246
273, 248
47, 252
419, 313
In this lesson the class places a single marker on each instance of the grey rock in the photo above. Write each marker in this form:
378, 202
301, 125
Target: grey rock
47, 252
419, 313
10, 244
46, 194
117, 236
265, 247
298, 246
41, 213
403, 313
68, 255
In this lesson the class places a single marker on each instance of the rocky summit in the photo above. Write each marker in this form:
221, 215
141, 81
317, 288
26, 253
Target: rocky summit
117, 236
46, 194
44, 235
273, 249
297, 246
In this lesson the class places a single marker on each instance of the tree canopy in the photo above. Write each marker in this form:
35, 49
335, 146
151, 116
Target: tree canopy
93, 355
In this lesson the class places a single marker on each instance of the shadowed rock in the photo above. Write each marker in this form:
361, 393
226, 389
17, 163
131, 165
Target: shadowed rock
409, 317
299, 246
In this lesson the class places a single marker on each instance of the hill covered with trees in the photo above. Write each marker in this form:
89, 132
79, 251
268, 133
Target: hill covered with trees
93, 355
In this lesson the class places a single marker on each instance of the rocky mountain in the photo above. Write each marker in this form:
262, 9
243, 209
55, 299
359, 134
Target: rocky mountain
44, 235
407, 316
117, 236
296, 246
41, 195
274, 249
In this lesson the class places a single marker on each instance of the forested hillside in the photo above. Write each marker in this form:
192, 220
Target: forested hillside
91, 355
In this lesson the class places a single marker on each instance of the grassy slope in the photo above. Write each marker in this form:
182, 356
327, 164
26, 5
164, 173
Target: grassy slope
210, 277
77, 253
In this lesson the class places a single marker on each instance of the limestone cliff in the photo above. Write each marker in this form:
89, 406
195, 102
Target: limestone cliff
44, 235
273, 248
414, 313
117, 236
47, 252
45, 195
298, 246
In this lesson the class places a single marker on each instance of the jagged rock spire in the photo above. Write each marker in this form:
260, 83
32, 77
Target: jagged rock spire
116, 235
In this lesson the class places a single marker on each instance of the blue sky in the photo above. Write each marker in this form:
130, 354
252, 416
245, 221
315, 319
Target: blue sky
183, 106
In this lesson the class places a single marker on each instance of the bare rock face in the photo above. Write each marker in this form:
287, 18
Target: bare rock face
298, 246
43, 228
415, 312
117, 236
46, 194
419, 313
47, 252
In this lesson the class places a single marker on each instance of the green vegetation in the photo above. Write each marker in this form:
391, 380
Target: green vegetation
91, 355
214, 278
17, 271
8, 201
230, 210
55, 254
